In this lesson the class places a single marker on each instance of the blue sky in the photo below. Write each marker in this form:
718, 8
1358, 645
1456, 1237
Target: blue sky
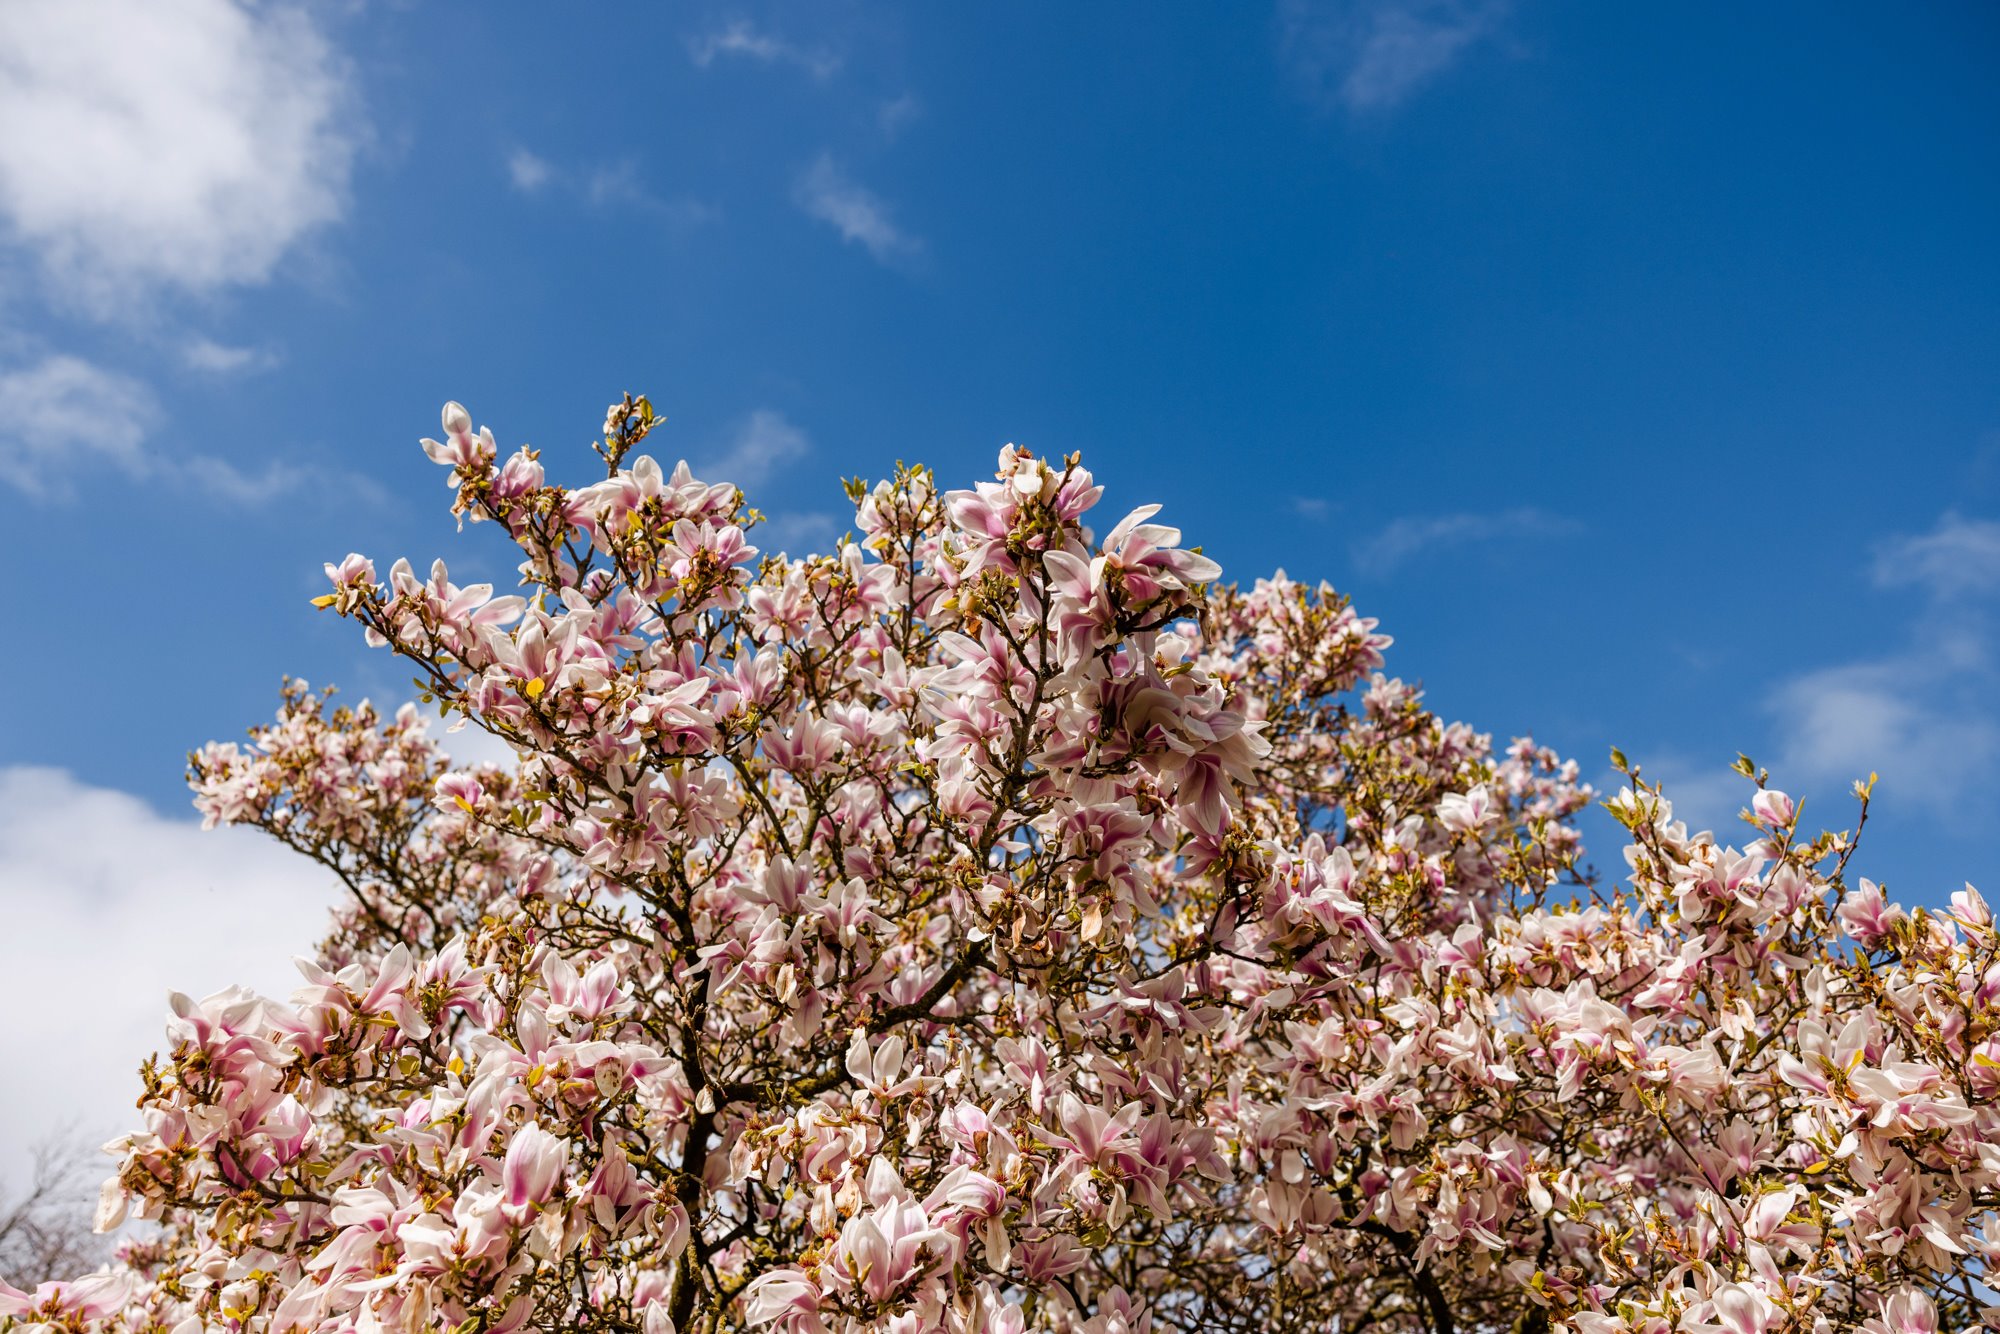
1639, 367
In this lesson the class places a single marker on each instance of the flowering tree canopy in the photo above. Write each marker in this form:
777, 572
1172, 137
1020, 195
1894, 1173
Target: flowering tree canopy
995, 926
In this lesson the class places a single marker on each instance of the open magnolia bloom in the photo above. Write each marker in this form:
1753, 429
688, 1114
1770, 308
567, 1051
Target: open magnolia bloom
989, 927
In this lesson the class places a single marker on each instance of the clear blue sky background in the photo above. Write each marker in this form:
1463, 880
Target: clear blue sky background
1638, 366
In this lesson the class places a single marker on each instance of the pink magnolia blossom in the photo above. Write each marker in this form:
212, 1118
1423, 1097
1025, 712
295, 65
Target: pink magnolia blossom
987, 927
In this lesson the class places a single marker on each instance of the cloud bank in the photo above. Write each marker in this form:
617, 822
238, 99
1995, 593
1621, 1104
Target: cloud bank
109, 907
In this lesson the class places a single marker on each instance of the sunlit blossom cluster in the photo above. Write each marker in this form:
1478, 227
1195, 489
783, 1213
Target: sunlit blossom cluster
994, 926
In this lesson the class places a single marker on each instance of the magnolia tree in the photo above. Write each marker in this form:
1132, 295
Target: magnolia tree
992, 925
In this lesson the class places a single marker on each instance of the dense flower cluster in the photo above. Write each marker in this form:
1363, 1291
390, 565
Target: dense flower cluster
989, 926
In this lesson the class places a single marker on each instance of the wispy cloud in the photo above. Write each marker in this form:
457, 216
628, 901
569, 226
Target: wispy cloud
797, 533
1373, 55
760, 448
762, 444
64, 419
1922, 718
609, 186
744, 40
897, 114
205, 354
1919, 710
620, 185
226, 482
826, 193
1408, 538
528, 171
1958, 557
152, 148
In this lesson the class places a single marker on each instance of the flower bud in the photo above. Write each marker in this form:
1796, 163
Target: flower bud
1773, 809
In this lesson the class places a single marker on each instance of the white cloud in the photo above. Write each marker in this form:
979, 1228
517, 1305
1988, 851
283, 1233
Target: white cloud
167, 144
614, 186
1923, 719
897, 113
109, 906
744, 40
760, 448
205, 354
528, 171
64, 419
1918, 704
225, 481
763, 443
859, 215
1919, 707
1372, 55
1958, 557
797, 534
1406, 538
